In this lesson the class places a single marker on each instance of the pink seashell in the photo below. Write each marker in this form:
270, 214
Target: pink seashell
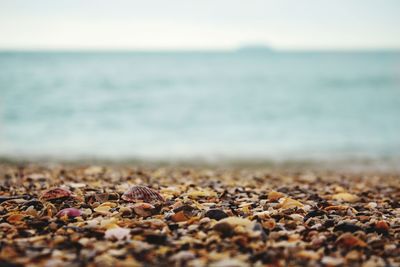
138, 193
70, 212
55, 193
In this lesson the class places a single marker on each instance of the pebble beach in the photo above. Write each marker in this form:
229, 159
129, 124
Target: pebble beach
114, 215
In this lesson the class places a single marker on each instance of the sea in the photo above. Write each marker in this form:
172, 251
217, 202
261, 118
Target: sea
200, 105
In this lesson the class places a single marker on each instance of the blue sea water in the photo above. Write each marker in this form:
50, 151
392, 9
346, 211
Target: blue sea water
210, 105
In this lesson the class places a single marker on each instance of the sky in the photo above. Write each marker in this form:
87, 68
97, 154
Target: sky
199, 24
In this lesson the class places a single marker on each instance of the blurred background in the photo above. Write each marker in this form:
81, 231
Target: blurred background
210, 80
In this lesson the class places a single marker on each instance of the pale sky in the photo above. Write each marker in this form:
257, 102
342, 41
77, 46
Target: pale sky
199, 24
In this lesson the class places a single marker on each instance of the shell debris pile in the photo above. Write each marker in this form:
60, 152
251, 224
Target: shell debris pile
169, 216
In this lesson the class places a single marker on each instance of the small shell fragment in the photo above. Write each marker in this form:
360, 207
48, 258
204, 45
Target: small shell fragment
143, 209
228, 225
15, 218
274, 196
69, 212
180, 216
117, 233
331, 261
289, 203
201, 193
308, 254
382, 225
229, 263
349, 240
372, 205
105, 208
347, 197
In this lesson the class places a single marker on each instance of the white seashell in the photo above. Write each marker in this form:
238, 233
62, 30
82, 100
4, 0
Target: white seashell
117, 233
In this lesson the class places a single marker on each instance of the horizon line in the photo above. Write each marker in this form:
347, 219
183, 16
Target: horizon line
243, 49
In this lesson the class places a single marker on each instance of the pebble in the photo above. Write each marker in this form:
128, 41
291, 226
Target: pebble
216, 214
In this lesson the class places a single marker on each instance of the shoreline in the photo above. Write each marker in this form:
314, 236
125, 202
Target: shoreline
360, 165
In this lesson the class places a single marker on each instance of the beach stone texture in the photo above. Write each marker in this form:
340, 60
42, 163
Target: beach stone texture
81, 215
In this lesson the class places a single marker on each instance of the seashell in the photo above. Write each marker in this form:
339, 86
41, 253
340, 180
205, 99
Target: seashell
55, 193
125, 211
289, 203
314, 213
296, 217
93, 170
274, 196
31, 211
103, 260
49, 210
237, 221
349, 240
347, 197
5, 225
105, 208
353, 255
5, 198
36, 204
177, 204
372, 205
331, 261
180, 216
117, 233
337, 207
382, 225
258, 231
270, 224
183, 256
139, 193
77, 185
13, 218
101, 197
205, 220
201, 193
308, 254
143, 209
69, 212
228, 262
183, 213
227, 225
109, 223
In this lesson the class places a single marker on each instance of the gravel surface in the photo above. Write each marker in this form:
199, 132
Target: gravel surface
69, 215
